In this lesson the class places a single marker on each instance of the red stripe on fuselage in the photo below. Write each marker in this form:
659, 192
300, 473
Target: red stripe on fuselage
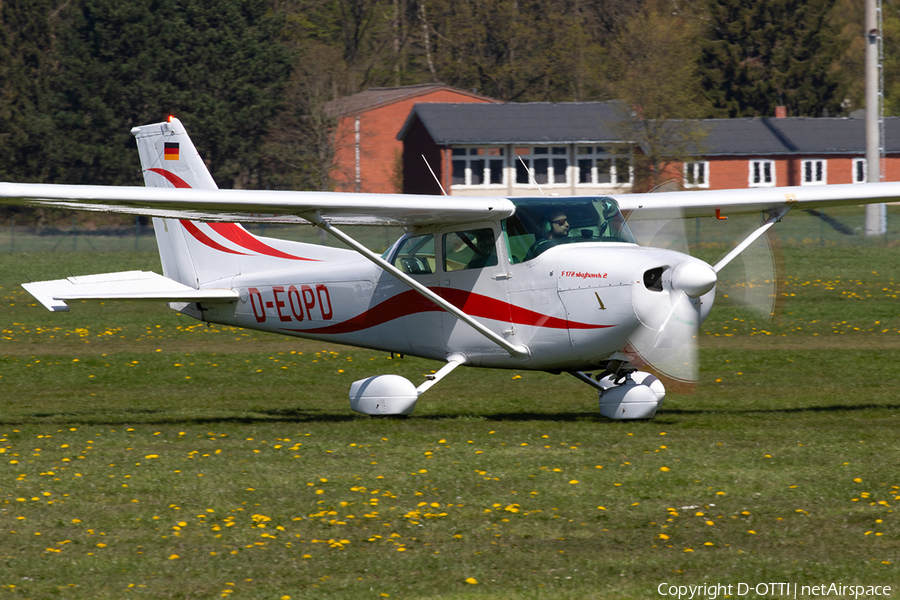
171, 177
230, 231
475, 305
206, 240
237, 234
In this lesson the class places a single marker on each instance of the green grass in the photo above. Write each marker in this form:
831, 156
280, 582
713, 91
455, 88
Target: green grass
217, 432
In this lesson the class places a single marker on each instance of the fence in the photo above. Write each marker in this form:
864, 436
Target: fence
842, 226
139, 237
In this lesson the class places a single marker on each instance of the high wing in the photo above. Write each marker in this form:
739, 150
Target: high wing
254, 206
711, 203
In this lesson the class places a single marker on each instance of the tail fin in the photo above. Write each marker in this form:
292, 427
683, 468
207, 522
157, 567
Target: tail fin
196, 253
169, 159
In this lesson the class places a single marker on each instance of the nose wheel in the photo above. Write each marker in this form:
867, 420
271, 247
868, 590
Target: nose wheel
624, 392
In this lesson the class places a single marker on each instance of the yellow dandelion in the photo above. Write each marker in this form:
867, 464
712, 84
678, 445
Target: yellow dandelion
173, 556
664, 469
471, 580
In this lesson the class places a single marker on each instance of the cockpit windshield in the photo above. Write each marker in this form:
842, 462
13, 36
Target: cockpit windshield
542, 223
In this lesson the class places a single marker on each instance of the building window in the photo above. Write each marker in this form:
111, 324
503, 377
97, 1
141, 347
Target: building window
597, 166
860, 172
542, 165
762, 173
481, 166
696, 174
814, 172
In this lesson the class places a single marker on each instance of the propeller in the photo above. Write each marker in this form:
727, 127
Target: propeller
754, 280
670, 307
666, 344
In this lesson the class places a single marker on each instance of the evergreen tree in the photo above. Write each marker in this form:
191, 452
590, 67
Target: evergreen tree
27, 65
759, 55
217, 65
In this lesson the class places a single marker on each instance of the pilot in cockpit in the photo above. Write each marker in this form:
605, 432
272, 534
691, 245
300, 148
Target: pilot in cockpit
558, 225
555, 231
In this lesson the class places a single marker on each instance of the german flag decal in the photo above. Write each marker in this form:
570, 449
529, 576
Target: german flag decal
171, 151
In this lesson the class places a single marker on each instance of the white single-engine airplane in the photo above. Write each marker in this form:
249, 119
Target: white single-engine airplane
548, 284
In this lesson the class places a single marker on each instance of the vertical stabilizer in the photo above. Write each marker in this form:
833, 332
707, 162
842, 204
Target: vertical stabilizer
209, 254
169, 159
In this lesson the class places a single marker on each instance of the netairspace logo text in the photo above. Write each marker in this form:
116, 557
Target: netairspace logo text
787, 590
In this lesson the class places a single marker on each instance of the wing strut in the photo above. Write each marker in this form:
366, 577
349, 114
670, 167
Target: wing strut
516, 351
774, 217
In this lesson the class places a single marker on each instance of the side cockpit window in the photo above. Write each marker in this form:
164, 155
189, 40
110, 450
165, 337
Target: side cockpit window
472, 249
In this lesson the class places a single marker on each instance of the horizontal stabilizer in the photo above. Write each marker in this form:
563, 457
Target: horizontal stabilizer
126, 285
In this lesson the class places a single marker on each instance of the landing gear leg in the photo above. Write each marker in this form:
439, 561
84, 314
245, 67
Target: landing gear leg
387, 395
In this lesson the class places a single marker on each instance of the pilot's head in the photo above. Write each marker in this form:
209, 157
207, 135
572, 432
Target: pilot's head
559, 224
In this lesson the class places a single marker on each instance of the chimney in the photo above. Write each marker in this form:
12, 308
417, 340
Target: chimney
780, 112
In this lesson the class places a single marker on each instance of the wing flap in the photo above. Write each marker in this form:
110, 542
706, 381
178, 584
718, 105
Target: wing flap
125, 285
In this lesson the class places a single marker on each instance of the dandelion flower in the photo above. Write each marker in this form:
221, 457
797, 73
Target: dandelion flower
471, 580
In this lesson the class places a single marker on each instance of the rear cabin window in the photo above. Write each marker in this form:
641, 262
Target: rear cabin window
415, 255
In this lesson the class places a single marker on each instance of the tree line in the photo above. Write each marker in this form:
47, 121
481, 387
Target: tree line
250, 78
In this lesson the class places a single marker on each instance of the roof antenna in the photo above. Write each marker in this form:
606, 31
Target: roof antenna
436, 180
530, 176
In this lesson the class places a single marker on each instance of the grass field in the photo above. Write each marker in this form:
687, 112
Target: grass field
143, 454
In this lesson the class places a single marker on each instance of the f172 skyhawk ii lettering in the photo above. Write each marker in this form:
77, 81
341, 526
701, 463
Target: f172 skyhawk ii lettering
550, 284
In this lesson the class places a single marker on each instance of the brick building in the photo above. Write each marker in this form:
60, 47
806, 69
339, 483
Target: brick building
581, 148
740, 153
516, 149
367, 152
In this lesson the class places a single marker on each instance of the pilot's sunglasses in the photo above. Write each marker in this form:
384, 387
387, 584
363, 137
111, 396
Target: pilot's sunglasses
560, 222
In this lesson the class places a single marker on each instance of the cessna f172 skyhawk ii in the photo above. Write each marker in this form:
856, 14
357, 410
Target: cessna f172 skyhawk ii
552, 283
